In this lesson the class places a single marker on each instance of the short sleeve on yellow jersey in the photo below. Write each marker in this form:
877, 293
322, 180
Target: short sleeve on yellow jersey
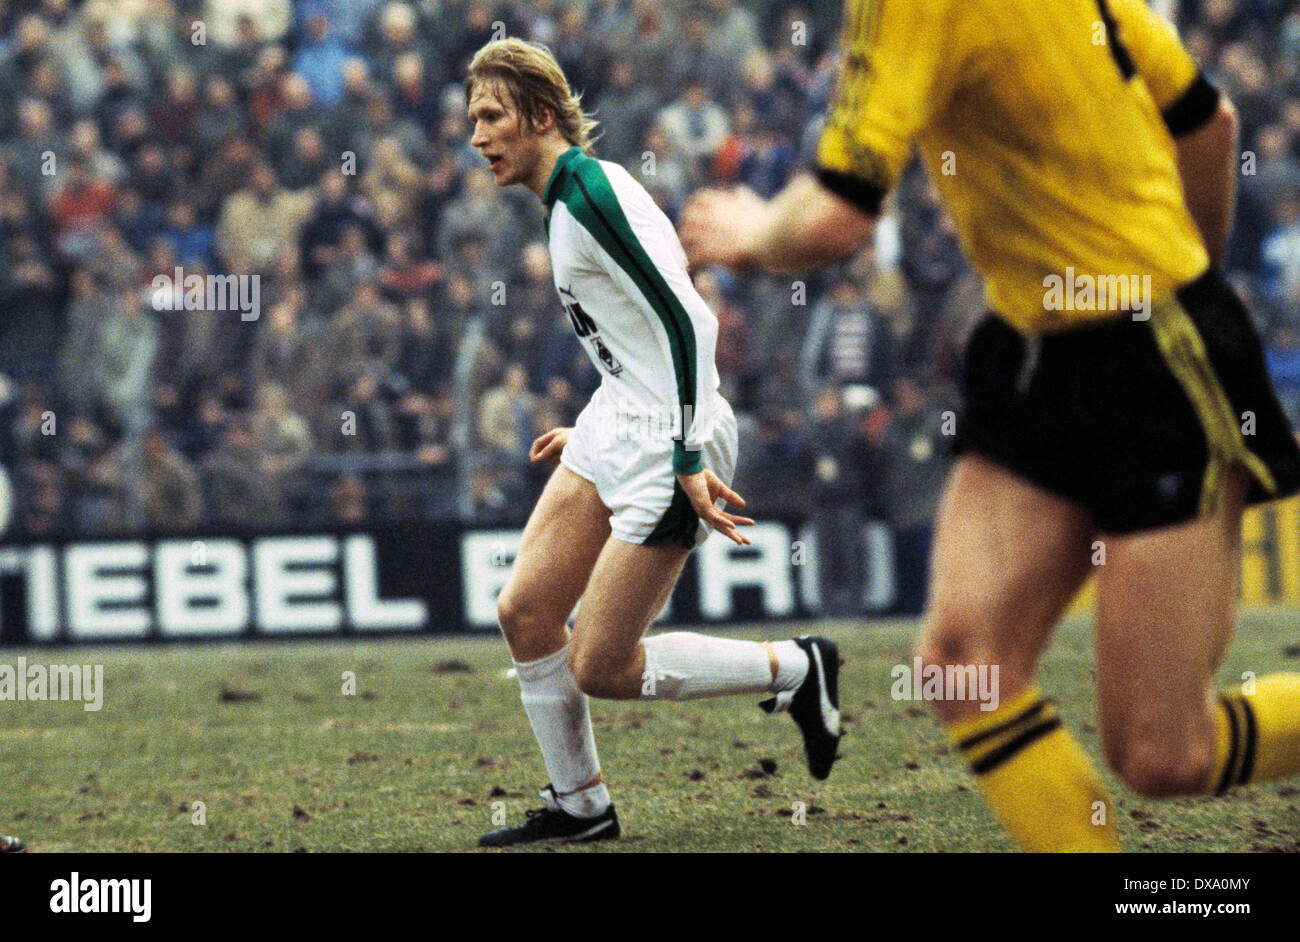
1184, 96
895, 76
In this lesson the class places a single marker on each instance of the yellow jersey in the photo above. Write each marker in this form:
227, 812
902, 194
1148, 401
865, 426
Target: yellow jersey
1047, 126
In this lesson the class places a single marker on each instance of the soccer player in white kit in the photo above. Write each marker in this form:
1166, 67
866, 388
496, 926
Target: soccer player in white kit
641, 478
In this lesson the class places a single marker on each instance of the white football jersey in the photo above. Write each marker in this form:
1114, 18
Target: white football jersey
622, 278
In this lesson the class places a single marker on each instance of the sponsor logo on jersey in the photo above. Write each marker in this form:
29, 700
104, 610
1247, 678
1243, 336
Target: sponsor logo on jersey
608, 359
585, 327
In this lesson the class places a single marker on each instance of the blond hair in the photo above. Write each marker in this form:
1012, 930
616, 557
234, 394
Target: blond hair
529, 74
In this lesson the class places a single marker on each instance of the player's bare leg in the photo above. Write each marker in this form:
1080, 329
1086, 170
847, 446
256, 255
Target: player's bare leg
559, 548
557, 552
1008, 559
1167, 603
630, 585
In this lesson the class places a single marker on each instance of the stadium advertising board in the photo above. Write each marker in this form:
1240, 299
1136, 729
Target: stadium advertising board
436, 579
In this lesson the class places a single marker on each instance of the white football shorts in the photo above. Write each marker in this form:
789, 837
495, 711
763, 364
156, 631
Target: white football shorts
631, 465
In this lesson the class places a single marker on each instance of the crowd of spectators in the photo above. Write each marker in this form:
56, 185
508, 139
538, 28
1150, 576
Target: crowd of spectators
409, 342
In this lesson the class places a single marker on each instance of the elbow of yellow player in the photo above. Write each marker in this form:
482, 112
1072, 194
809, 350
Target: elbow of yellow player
1227, 110
813, 225
845, 236
1226, 116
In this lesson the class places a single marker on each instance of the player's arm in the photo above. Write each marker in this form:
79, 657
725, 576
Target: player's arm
548, 447
1201, 120
896, 70
1207, 162
805, 226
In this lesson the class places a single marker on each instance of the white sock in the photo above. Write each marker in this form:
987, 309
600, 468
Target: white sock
791, 665
681, 665
558, 712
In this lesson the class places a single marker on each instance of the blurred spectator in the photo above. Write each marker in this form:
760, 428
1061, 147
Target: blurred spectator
404, 274
176, 116
28, 283
505, 418
151, 487
774, 455
695, 125
287, 352
309, 158
848, 343
479, 215
282, 435
89, 308
1283, 358
28, 153
625, 108
392, 184
732, 355
351, 264
320, 59
917, 457
415, 99
1280, 279
169, 486
697, 60
242, 492
80, 206
399, 35
732, 31
348, 503
664, 170
329, 218
189, 239
840, 459
367, 334
121, 363
423, 364
258, 222
220, 119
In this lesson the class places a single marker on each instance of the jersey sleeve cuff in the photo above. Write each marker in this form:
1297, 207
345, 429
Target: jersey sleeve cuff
687, 460
863, 194
1193, 108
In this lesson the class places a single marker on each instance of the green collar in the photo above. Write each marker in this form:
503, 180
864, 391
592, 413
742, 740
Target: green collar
562, 164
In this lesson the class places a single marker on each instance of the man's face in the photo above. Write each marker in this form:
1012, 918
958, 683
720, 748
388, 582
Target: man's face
509, 145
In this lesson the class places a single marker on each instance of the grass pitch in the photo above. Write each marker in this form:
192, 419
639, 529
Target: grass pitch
434, 741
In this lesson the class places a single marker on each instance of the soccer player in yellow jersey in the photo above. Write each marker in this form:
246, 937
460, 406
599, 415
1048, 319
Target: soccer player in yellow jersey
1116, 392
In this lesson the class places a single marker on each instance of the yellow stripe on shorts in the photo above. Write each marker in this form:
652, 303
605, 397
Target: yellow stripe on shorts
1184, 353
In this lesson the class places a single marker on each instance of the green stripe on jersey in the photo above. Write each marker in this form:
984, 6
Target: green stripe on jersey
580, 183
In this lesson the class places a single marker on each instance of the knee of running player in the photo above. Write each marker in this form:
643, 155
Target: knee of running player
958, 637
1159, 762
604, 674
530, 631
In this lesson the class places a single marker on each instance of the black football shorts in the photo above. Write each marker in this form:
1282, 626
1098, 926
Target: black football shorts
1137, 421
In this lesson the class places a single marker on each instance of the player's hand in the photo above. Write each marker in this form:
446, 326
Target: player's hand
719, 227
703, 488
548, 447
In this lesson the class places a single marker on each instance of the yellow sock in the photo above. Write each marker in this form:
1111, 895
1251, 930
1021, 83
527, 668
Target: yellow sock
1036, 778
1258, 733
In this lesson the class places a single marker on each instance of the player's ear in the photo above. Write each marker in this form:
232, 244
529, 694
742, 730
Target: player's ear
543, 120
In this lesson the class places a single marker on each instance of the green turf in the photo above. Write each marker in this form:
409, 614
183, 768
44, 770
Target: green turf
435, 736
